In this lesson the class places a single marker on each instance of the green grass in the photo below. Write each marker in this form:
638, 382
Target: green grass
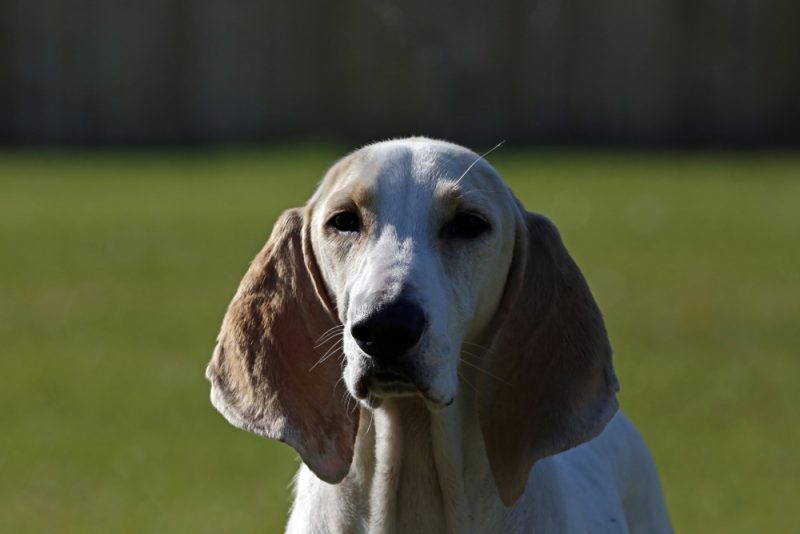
115, 270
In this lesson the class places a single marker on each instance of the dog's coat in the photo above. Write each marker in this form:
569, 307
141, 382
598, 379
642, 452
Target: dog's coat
436, 358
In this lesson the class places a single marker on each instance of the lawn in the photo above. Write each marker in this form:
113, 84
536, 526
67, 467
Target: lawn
116, 268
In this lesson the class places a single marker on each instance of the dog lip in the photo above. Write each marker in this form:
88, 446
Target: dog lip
438, 404
390, 377
377, 383
382, 382
372, 389
382, 388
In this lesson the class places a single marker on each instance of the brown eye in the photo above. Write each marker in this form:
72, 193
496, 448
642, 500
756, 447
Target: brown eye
345, 221
467, 226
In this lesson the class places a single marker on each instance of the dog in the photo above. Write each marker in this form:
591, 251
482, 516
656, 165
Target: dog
435, 357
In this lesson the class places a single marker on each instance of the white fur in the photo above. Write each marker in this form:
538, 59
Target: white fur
420, 464
418, 474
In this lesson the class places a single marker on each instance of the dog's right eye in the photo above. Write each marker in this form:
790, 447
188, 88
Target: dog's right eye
467, 226
345, 221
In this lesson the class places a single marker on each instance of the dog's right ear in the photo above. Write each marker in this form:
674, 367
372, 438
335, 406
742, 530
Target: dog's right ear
266, 375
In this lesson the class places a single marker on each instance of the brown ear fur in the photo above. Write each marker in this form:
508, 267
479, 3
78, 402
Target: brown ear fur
552, 384
261, 371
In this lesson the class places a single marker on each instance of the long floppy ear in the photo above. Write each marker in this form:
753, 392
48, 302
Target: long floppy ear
552, 385
266, 376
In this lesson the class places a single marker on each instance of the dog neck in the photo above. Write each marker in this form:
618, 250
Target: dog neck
413, 470
413, 465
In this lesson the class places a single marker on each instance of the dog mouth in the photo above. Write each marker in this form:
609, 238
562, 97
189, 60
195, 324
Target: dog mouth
392, 378
384, 383
377, 385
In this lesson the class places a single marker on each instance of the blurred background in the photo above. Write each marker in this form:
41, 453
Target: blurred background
146, 149
550, 71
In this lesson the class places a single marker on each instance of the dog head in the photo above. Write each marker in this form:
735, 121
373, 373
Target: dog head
412, 262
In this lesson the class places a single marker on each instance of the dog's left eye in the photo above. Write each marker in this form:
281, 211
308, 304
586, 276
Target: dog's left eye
345, 221
467, 226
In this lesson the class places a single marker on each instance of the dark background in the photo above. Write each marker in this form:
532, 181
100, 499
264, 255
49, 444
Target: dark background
640, 72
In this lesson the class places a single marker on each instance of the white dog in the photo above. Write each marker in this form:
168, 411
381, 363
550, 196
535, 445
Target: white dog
436, 358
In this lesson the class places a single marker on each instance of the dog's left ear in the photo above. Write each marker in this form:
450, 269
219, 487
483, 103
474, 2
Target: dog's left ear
551, 384
266, 374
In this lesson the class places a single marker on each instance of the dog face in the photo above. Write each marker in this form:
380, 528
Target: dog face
414, 251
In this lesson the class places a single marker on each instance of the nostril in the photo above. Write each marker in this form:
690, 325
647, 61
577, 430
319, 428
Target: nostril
362, 332
391, 331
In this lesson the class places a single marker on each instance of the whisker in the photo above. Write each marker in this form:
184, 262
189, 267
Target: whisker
482, 156
479, 358
336, 346
341, 378
331, 351
347, 404
468, 353
330, 338
484, 371
346, 398
476, 345
371, 418
468, 383
329, 330
479, 191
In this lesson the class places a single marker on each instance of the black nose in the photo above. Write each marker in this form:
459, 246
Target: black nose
390, 331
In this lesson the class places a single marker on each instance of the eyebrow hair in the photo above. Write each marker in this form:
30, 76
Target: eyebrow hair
479, 158
450, 192
358, 195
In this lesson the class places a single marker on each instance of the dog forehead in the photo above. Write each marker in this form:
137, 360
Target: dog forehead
417, 161
408, 170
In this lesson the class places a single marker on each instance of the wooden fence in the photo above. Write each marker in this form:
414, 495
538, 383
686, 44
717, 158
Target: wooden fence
552, 71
